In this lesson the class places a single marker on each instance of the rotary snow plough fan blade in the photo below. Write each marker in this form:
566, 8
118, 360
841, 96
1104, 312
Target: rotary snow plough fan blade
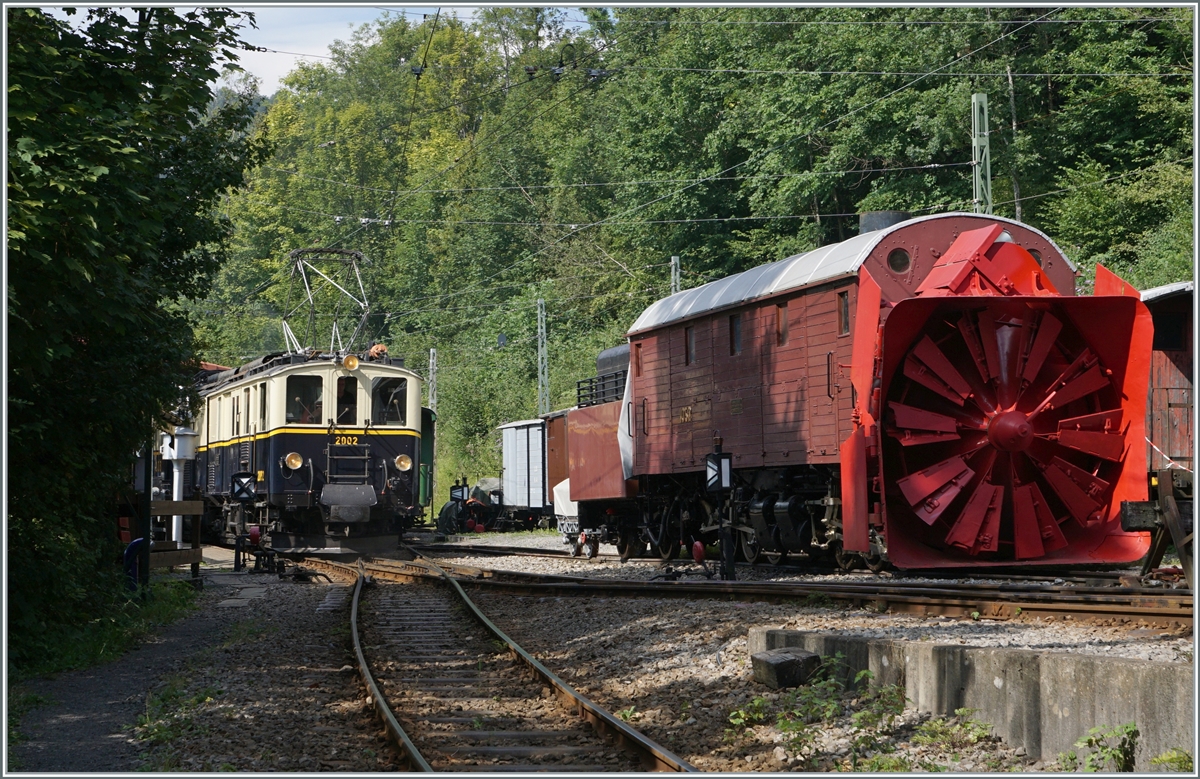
1010, 435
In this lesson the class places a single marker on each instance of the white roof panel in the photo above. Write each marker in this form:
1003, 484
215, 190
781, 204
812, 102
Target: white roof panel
522, 423
1167, 290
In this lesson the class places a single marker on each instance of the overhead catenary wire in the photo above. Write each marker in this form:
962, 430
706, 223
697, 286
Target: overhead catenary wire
464, 155
641, 182
761, 154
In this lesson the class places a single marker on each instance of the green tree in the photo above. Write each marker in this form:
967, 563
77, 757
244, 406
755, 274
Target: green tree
116, 158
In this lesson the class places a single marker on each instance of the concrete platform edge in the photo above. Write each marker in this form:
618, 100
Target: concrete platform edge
1043, 701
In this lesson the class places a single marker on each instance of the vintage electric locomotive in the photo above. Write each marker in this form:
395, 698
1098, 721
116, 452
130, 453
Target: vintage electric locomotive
931, 393
322, 451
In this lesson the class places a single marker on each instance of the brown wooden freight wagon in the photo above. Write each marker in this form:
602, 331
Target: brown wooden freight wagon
1170, 406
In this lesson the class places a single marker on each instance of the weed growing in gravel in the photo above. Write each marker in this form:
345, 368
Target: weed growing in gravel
1110, 746
1176, 760
954, 733
881, 708
244, 631
754, 713
818, 701
818, 600
168, 711
628, 715
883, 764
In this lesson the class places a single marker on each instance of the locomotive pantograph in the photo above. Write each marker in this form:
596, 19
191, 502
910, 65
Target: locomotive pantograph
320, 449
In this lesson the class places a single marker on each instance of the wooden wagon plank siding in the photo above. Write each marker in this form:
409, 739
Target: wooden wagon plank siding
819, 324
737, 409
785, 404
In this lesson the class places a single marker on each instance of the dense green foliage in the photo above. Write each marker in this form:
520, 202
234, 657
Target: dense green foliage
116, 157
730, 137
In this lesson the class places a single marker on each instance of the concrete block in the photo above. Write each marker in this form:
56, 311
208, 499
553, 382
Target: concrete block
1042, 701
781, 668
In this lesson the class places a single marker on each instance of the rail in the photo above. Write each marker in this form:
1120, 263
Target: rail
651, 755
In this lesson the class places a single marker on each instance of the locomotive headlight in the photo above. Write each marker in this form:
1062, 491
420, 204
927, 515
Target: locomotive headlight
403, 462
350, 362
293, 460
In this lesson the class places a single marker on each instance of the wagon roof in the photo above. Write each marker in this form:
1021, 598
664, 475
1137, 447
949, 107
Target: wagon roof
799, 270
1167, 290
523, 423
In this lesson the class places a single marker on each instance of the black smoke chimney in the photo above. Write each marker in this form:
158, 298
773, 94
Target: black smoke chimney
870, 221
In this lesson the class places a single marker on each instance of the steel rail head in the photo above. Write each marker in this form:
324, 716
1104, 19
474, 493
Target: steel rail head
416, 761
652, 754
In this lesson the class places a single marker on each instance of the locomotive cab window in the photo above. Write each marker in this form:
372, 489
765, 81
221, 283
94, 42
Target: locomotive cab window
389, 402
347, 400
843, 307
304, 400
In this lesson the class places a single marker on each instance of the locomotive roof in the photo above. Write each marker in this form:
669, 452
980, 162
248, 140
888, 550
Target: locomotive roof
1168, 290
277, 363
800, 270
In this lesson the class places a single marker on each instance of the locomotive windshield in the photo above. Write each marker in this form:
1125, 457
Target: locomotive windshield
347, 400
390, 402
304, 399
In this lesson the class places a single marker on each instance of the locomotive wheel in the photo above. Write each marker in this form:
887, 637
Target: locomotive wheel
630, 546
846, 561
593, 547
775, 558
749, 547
666, 531
875, 563
576, 548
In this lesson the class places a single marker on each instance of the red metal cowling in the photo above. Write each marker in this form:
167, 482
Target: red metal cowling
1011, 416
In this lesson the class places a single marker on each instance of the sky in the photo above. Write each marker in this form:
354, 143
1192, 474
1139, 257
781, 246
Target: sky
296, 33
309, 30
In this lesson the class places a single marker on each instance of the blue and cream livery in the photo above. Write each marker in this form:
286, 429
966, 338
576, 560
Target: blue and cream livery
340, 449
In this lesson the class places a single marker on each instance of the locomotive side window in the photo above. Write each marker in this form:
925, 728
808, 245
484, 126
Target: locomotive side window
781, 324
262, 406
347, 400
236, 416
689, 338
389, 402
843, 301
735, 334
304, 400
246, 408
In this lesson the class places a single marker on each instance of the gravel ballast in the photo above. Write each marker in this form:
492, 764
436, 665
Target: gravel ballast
269, 684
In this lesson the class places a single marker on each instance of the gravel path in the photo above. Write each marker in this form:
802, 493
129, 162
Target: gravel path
260, 678
84, 724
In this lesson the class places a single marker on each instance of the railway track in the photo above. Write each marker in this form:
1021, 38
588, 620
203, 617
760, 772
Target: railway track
1092, 578
953, 599
466, 697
